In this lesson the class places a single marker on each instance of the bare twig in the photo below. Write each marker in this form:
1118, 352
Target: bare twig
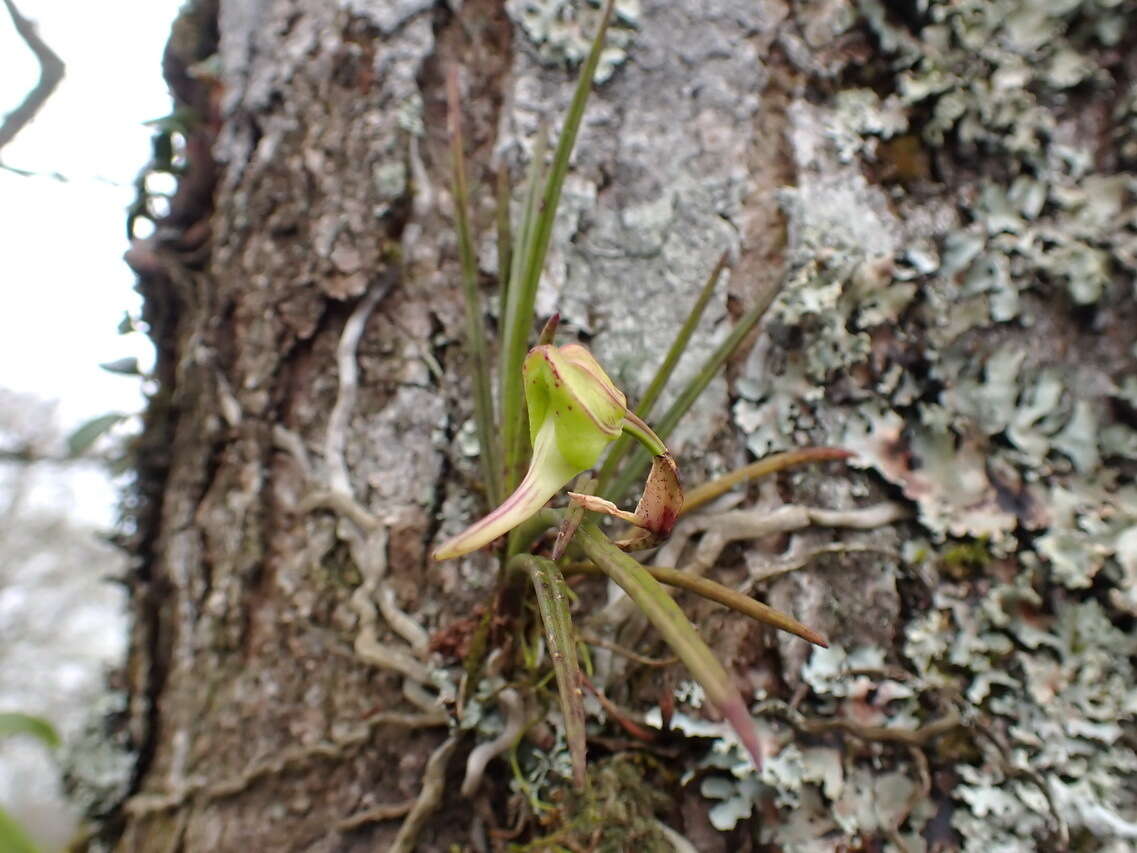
917, 737
370, 555
798, 557
726, 527
51, 70
680, 843
364, 533
624, 718
285, 439
342, 503
401, 623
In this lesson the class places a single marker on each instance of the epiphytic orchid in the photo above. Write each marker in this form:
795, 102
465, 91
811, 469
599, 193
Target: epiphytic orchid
575, 412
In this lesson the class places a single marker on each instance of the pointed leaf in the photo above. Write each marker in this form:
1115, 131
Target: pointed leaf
537, 229
125, 366
15, 723
13, 839
663, 374
475, 330
735, 600
80, 441
707, 492
553, 601
662, 611
687, 397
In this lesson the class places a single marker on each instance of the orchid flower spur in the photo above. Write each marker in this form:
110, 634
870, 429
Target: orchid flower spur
575, 412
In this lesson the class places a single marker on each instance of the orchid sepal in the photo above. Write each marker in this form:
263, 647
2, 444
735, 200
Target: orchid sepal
575, 412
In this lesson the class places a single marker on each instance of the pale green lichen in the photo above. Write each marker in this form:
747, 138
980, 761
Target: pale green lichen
1007, 300
1064, 695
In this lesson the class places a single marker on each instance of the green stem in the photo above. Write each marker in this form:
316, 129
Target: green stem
634, 426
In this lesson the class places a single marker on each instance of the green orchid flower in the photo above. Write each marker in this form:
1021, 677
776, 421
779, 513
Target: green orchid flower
575, 412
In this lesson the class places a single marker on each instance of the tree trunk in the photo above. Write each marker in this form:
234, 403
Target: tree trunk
939, 190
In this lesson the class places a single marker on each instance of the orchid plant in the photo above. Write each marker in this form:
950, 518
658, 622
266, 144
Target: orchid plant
575, 414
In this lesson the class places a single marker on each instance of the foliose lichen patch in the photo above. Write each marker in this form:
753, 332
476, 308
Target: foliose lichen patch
561, 30
959, 312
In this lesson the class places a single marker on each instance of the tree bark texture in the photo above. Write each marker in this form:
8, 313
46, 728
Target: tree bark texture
942, 193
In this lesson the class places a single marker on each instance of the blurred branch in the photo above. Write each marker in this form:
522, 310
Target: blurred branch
51, 72
30, 456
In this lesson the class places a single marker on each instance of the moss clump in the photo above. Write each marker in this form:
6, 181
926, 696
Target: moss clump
961, 560
615, 812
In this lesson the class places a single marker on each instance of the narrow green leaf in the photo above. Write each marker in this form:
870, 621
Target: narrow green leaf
15, 723
707, 492
537, 229
553, 601
663, 374
475, 331
81, 440
517, 320
662, 611
552, 194
13, 839
635, 468
735, 600
724, 595
504, 240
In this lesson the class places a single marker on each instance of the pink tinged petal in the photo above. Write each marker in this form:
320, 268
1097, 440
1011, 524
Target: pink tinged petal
546, 476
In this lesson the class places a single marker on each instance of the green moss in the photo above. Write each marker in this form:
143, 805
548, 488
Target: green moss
615, 813
963, 559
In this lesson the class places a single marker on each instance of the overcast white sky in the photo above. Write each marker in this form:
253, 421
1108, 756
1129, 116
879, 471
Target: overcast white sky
63, 290
63, 284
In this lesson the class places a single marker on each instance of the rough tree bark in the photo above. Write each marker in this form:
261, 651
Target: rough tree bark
940, 191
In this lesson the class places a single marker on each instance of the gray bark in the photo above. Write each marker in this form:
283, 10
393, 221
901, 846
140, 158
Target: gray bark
941, 191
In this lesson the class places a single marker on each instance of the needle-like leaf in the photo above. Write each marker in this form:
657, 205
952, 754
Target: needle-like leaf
475, 329
724, 595
640, 460
517, 321
663, 374
529, 262
707, 492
